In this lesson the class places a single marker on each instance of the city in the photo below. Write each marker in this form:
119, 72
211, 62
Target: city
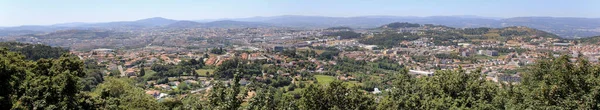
304, 62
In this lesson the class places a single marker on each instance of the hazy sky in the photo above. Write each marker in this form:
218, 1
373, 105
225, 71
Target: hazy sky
45, 12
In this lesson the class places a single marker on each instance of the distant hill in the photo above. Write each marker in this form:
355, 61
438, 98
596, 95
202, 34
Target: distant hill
37, 29
156, 21
339, 28
184, 24
143, 23
217, 24
83, 39
75, 34
392, 34
233, 24
566, 27
589, 40
397, 25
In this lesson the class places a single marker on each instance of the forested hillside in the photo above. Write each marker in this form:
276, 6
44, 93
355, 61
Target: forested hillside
34, 51
393, 34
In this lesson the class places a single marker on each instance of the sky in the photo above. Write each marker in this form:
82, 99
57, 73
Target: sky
47, 12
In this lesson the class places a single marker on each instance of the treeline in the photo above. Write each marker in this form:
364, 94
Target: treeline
505, 50
389, 39
475, 31
34, 51
402, 25
447, 36
345, 34
164, 71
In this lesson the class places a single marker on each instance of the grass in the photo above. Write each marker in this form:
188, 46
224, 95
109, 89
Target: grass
351, 84
324, 79
202, 72
319, 51
485, 57
149, 73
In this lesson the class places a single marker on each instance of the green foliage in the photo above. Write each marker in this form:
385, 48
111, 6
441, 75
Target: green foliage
192, 102
328, 55
345, 34
171, 70
402, 25
222, 98
505, 50
335, 96
94, 75
117, 93
559, 83
264, 100
219, 50
588, 40
454, 56
53, 84
313, 98
229, 67
12, 73
388, 39
445, 90
476, 31
447, 36
324, 79
34, 51
513, 33
552, 83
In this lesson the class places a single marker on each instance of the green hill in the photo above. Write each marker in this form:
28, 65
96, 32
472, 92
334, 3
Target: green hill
391, 35
34, 51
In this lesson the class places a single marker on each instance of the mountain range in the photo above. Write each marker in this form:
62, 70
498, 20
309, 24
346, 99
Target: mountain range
566, 27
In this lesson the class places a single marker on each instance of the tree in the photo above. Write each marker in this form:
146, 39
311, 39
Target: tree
558, 83
12, 72
312, 98
192, 102
226, 98
142, 71
117, 93
264, 100
450, 89
54, 84
217, 51
183, 86
335, 95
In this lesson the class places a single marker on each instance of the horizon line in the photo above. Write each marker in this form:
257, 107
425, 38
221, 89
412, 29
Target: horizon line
222, 19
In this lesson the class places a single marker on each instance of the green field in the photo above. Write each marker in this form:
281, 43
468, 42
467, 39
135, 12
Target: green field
324, 79
351, 84
202, 72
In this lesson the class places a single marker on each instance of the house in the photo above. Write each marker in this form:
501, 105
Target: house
174, 83
191, 82
163, 86
421, 73
561, 44
244, 82
153, 93
488, 52
376, 91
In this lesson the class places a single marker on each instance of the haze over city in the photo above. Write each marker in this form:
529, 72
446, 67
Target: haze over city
36, 12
